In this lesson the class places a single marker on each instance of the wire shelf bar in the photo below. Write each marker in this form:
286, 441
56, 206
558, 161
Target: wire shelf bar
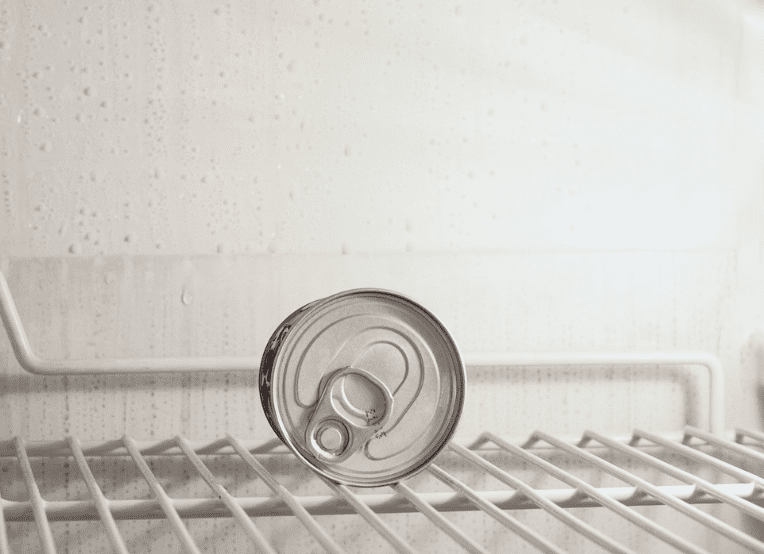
524, 531
38, 504
164, 500
682, 507
725, 444
540, 500
102, 505
371, 518
37, 365
585, 488
85, 510
4, 547
253, 533
433, 515
701, 484
490, 455
741, 434
289, 499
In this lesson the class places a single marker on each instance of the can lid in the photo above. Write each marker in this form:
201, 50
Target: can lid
367, 387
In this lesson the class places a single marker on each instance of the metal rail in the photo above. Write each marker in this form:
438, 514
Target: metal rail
33, 363
745, 494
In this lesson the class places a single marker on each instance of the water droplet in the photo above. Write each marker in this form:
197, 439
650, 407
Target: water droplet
87, 91
345, 248
346, 151
75, 248
46, 146
130, 237
221, 248
187, 295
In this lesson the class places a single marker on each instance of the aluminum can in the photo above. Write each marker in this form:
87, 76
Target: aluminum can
365, 386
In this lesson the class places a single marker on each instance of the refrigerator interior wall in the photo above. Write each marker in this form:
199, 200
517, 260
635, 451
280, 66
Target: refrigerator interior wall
177, 176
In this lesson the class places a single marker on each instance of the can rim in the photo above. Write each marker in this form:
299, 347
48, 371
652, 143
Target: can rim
455, 413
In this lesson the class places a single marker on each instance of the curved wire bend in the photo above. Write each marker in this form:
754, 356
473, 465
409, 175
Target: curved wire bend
39, 366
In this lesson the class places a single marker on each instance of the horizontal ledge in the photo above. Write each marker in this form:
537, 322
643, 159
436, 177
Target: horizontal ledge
85, 510
274, 446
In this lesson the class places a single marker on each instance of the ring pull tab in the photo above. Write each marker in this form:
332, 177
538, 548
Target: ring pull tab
354, 405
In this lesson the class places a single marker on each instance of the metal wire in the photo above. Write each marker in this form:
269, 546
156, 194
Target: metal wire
252, 532
724, 443
4, 548
543, 502
297, 509
38, 504
756, 435
684, 508
522, 530
743, 495
33, 363
585, 488
164, 500
371, 518
433, 515
701, 484
102, 504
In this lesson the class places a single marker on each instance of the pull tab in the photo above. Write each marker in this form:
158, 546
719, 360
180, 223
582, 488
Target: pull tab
353, 407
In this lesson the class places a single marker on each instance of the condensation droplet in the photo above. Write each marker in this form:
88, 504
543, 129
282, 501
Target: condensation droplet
75, 248
187, 296
345, 248
46, 146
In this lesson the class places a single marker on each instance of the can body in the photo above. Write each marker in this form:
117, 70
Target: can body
365, 386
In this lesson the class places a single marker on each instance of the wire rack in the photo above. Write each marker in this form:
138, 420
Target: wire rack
690, 491
578, 465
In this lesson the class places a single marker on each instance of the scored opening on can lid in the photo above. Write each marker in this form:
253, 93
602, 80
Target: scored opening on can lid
365, 386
